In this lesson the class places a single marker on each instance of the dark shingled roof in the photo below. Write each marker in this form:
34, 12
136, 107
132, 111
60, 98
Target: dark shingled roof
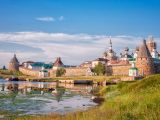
143, 51
58, 62
14, 59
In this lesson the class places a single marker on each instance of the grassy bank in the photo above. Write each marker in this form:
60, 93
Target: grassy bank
9, 74
139, 100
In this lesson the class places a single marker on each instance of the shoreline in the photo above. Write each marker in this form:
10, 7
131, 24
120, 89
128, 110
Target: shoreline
116, 97
99, 80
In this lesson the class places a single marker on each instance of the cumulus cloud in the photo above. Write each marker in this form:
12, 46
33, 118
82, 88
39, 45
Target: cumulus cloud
73, 48
46, 19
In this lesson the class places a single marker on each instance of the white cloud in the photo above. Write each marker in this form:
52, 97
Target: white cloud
50, 19
46, 19
61, 18
73, 48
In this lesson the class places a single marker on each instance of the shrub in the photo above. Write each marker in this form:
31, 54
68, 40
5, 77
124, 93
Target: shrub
99, 69
60, 72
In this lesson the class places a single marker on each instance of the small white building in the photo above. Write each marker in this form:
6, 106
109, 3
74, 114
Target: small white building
133, 71
36, 66
43, 73
136, 52
89, 72
27, 64
154, 53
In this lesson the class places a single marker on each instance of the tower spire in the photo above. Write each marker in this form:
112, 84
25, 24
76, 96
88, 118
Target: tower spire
110, 42
14, 55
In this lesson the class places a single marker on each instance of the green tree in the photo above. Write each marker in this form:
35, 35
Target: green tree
60, 72
99, 69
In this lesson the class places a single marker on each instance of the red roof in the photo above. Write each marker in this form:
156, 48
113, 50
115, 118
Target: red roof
119, 62
58, 62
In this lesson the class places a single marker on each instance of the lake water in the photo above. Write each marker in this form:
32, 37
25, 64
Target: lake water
44, 97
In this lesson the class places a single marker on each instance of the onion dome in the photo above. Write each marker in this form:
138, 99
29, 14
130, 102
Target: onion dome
126, 49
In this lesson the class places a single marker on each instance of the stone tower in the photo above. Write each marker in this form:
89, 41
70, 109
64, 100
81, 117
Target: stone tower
110, 54
144, 60
58, 63
13, 64
151, 44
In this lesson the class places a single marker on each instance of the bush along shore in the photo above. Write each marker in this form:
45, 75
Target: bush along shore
139, 100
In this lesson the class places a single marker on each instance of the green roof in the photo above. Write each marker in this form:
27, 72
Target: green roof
41, 64
156, 60
43, 71
132, 59
37, 64
133, 68
48, 66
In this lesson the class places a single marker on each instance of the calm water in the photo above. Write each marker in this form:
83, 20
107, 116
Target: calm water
43, 97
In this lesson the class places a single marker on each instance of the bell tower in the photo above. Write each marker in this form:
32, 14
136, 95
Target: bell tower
151, 44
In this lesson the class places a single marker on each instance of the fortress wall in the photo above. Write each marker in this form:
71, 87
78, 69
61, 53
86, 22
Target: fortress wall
118, 69
111, 70
75, 71
52, 73
29, 72
78, 71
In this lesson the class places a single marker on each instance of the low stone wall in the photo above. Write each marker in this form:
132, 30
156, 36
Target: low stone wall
118, 69
29, 72
76, 71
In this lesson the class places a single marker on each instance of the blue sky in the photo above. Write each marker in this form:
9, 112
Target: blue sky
114, 17
76, 30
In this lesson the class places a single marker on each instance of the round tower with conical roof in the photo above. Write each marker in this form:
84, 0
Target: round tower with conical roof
13, 64
144, 60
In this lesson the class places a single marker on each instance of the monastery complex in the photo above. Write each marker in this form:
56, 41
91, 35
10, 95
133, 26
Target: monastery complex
145, 60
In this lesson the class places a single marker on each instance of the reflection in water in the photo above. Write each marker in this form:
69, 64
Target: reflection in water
58, 93
44, 97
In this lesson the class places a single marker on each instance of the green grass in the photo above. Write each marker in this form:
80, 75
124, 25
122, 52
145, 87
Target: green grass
8, 74
139, 100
